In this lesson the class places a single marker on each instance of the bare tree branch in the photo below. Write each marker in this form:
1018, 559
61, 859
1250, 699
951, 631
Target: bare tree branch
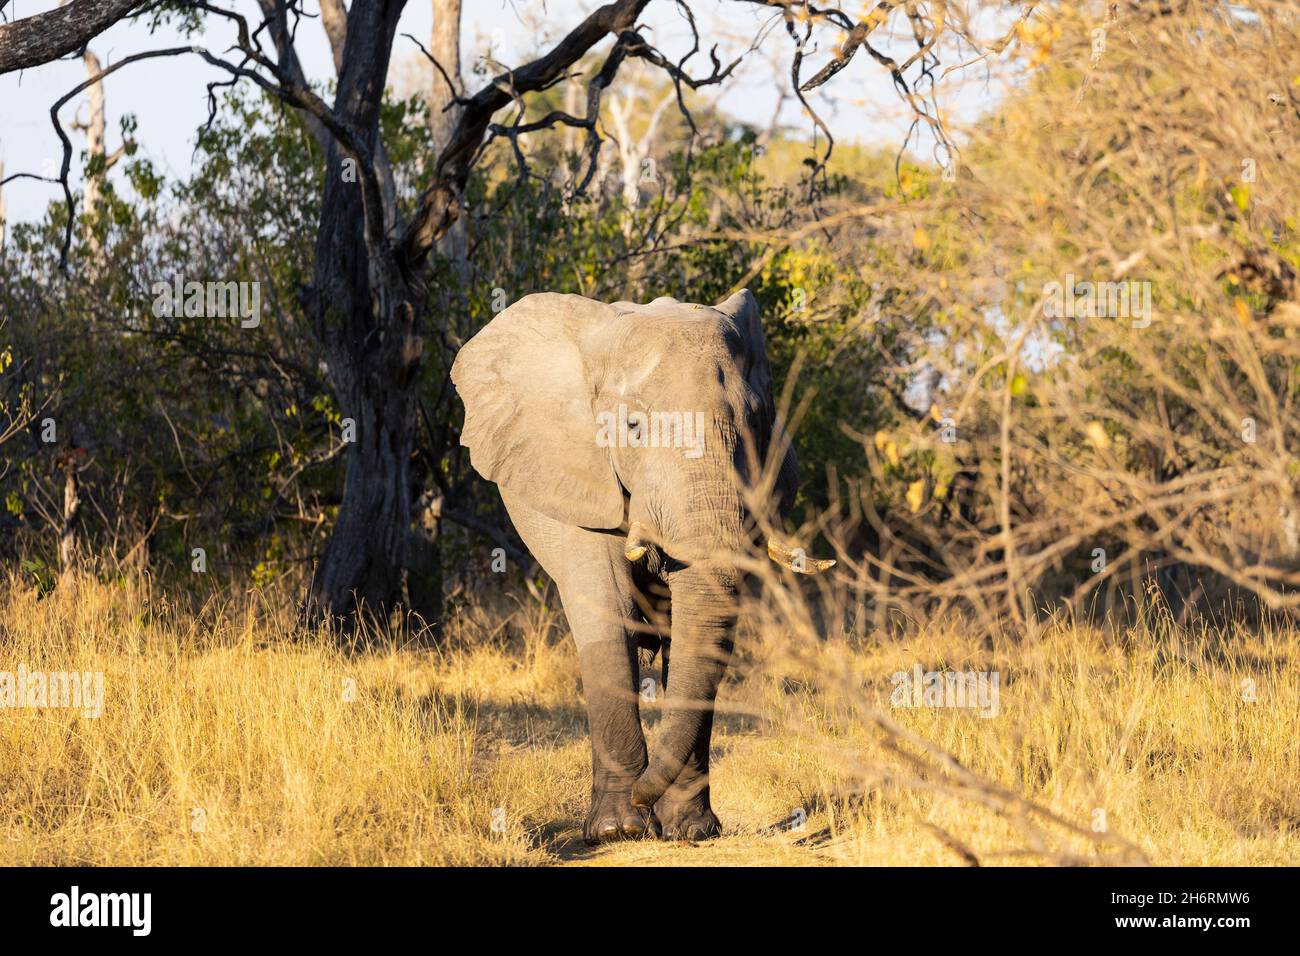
440, 204
47, 36
277, 22
856, 38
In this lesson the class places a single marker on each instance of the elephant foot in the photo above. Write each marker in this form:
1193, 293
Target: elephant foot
689, 818
613, 818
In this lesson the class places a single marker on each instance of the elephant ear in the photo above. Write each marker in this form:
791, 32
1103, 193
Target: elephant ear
772, 438
529, 423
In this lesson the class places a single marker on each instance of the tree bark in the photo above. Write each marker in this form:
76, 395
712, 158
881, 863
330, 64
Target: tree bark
95, 129
71, 511
360, 574
363, 310
334, 17
444, 113
98, 162
424, 566
47, 36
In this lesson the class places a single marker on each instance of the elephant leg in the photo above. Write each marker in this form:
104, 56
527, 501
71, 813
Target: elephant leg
618, 749
677, 781
684, 810
595, 588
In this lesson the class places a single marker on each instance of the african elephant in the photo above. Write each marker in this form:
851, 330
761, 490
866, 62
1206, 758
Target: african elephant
624, 438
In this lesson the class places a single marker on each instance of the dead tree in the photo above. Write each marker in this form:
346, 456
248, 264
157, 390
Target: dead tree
98, 160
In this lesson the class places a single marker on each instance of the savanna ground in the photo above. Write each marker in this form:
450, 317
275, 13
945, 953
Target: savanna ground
226, 739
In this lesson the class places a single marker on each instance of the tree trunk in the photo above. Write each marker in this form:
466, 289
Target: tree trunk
98, 161
363, 311
443, 115
360, 573
424, 545
71, 510
95, 128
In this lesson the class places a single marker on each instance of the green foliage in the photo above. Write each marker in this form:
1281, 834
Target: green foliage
41, 575
201, 433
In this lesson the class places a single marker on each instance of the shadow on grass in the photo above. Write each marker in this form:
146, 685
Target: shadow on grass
524, 723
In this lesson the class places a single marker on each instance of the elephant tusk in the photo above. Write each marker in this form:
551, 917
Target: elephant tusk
637, 544
795, 559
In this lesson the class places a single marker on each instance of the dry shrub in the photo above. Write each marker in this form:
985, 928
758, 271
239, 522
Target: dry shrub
1073, 456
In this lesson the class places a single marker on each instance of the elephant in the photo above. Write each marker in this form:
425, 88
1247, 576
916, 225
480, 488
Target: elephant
626, 441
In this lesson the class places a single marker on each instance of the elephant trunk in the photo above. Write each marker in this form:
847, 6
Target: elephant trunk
705, 534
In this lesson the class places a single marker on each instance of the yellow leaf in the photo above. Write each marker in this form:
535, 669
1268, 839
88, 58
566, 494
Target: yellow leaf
891, 452
935, 413
1096, 433
1018, 385
916, 495
1242, 311
881, 438
921, 239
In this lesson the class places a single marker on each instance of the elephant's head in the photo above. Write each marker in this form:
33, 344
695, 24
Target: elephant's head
658, 419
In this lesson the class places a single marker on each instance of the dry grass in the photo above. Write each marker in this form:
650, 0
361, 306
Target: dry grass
219, 717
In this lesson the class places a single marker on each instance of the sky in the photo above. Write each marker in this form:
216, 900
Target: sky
169, 99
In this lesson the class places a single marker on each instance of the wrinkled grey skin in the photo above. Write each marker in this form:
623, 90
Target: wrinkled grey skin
534, 382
